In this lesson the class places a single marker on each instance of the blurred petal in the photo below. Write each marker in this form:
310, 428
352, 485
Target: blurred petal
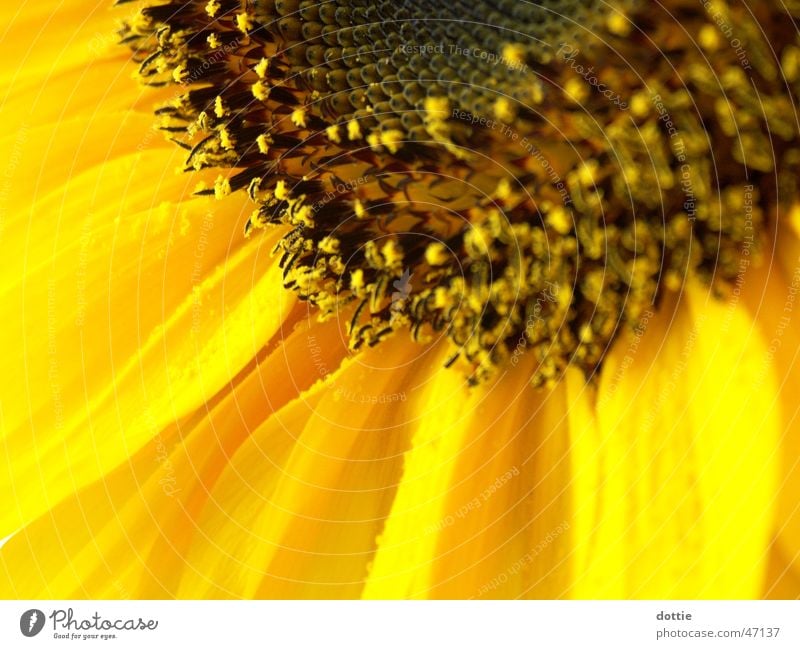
128, 534
481, 510
298, 509
122, 313
684, 444
772, 295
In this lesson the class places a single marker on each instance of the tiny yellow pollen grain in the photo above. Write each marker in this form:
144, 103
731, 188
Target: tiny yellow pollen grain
640, 104
503, 191
260, 90
202, 121
560, 219
213, 7
261, 68
337, 266
514, 53
441, 298
576, 90
709, 38
299, 117
353, 130
436, 254
281, 192
333, 133
219, 107
504, 109
213, 41
179, 74
618, 24
564, 295
244, 22
392, 139
329, 245
476, 239
263, 143
360, 210
222, 187
437, 107
392, 253
357, 280
225, 139
304, 215
586, 173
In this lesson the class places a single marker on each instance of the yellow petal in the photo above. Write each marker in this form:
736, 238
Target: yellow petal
182, 363
123, 314
481, 510
772, 294
297, 511
128, 534
684, 441
47, 35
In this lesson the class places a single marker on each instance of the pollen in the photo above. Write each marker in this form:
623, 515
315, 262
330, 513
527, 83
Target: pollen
244, 22
261, 68
180, 74
222, 187
560, 219
226, 139
260, 90
360, 210
514, 53
709, 38
504, 109
618, 24
299, 117
281, 192
392, 253
357, 281
329, 245
212, 8
219, 107
436, 254
263, 142
332, 132
392, 139
640, 104
437, 107
353, 130
576, 89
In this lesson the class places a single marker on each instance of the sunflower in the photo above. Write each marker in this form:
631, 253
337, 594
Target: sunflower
415, 299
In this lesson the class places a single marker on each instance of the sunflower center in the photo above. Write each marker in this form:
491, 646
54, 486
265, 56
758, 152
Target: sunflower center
518, 177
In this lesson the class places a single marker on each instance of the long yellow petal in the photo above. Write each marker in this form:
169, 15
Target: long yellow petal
482, 509
129, 533
772, 294
297, 511
685, 440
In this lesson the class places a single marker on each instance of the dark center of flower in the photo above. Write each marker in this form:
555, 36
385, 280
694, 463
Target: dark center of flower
520, 177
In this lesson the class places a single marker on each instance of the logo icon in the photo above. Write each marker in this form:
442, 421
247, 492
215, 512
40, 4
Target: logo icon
31, 622
402, 289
